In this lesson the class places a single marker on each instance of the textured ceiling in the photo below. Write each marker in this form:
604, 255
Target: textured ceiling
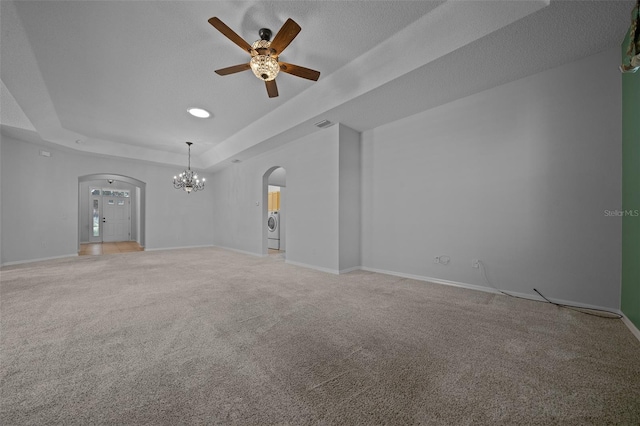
119, 76
12, 115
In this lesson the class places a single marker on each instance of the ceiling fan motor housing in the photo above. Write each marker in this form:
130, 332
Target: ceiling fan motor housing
265, 34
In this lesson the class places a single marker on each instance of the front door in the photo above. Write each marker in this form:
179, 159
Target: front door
110, 215
116, 219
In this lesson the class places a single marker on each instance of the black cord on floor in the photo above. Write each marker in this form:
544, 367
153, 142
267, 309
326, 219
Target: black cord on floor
614, 315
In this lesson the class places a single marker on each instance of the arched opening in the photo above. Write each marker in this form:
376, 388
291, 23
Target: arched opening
111, 208
274, 211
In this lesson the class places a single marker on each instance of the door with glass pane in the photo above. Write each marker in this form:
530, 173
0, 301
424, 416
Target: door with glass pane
116, 219
110, 215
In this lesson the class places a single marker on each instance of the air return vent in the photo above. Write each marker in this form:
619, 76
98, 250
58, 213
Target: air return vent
324, 123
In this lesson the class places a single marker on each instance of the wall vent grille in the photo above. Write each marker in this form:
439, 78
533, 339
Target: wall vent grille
324, 123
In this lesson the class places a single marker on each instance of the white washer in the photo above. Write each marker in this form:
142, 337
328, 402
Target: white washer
273, 226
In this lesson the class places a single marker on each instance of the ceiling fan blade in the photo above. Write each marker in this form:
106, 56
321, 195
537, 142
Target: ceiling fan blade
272, 88
230, 34
287, 33
299, 71
233, 69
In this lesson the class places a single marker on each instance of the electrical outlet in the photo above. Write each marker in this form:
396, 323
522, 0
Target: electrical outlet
475, 263
436, 259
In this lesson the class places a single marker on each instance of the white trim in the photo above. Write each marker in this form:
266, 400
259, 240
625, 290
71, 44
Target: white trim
20, 262
346, 271
317, 268
534, 297
631, 326
432, 280
250, 253
177, 248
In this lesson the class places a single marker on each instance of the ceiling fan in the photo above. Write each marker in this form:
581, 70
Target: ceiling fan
264, 54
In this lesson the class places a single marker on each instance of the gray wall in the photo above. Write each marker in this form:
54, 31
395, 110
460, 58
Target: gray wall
349, 198
42, 222
311, 165
321, 199
517, 176
283, 218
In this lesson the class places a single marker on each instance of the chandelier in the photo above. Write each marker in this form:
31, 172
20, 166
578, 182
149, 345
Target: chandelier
263, 66
188, 180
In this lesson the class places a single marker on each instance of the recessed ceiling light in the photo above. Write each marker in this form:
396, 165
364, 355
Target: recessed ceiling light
199, 112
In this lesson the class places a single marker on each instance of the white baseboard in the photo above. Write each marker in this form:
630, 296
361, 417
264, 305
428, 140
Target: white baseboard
631, 326
240, 251
534, 297
432, 280
317, 268
177, 248
347, 270
20, 262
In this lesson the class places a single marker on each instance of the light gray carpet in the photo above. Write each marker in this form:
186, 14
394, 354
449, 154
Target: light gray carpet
210, 336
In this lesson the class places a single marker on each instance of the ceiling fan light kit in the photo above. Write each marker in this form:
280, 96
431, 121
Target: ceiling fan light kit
264, 54
265, 67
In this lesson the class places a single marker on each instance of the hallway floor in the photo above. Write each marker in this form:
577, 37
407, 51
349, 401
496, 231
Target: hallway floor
97, 249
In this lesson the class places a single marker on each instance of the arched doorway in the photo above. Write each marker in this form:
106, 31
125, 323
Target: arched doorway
274, 211
125, 191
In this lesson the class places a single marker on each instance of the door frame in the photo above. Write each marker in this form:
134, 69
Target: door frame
264, 213
132, 181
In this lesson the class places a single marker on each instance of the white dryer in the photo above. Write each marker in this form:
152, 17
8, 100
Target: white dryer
273, 226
